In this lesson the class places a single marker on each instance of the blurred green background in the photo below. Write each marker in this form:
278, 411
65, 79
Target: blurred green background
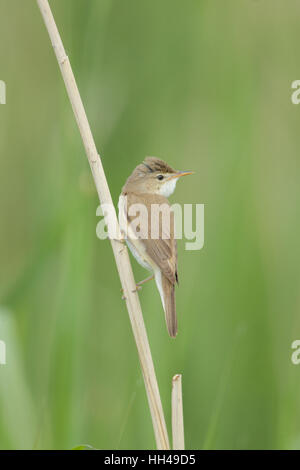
203, 84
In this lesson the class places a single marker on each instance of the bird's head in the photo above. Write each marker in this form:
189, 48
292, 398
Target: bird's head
154, 176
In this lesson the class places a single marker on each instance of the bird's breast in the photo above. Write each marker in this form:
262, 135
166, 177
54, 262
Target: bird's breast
139, 256
135, 245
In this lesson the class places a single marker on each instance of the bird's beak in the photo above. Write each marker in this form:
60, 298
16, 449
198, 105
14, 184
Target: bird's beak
178, 174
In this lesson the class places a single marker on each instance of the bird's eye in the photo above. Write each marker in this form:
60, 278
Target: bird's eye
160, 177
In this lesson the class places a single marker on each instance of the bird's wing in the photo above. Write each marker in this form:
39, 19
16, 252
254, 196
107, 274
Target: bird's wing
164, 254
163, 249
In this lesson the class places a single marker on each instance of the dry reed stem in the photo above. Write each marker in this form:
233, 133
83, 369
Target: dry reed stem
120, 252
177, 413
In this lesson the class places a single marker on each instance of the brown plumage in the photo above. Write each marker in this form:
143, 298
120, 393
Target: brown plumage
149, 185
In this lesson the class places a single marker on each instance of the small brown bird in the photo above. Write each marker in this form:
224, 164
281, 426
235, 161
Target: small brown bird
149, 185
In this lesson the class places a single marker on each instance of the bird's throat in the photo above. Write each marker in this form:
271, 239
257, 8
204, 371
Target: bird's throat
168, 188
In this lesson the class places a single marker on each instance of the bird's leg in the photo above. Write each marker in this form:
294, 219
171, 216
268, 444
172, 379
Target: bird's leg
140, 284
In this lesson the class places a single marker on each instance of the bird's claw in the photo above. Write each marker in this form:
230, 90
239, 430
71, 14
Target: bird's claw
121, 241
137, 288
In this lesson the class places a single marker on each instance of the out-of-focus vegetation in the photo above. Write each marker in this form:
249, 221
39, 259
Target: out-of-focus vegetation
204, 85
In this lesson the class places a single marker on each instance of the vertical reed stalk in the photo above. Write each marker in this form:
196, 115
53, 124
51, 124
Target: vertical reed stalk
177, 413
121, 255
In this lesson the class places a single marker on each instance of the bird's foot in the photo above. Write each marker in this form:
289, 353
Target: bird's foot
120, 240
138, 286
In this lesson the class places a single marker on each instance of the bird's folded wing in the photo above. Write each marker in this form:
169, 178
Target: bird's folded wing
162, 250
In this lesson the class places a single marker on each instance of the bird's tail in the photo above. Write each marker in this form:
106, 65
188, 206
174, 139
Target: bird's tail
167, 293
